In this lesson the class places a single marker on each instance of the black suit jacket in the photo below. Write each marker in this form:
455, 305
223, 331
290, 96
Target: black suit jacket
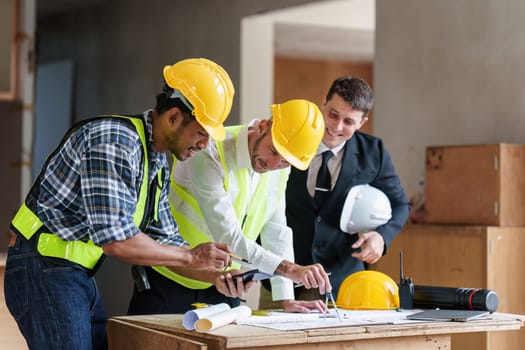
317, 237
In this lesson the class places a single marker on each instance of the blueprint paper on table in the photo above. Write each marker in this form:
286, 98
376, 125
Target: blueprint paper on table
192, 316
214, 316
295, 321
222, 318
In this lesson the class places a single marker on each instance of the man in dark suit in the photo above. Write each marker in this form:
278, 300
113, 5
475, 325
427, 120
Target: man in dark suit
356, 158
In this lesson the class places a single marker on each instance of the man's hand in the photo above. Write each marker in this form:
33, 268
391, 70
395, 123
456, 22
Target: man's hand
143, 250
372, 246
232, 287
311, 276
210, 255
304, 306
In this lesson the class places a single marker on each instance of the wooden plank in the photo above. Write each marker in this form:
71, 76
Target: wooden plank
439, 255
230, 336
506, 262
243, 337
336, 331
475, 184
461, 184
512, 185
434, 342
468, 256
127, 336
172, 324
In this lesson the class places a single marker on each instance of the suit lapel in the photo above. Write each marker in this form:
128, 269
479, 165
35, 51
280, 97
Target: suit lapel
349, 170
349, 167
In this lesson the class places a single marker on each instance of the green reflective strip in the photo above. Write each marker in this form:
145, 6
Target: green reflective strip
185, 281
220, 150
242, 175
158, 191
257, 211
26, 222
82, 253
255, 214
143, 194
189, 231
241, 201
85, 254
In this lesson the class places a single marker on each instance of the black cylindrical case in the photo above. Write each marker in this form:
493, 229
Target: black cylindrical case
427, 297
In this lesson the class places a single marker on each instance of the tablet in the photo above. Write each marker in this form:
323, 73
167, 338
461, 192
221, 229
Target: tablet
448, 315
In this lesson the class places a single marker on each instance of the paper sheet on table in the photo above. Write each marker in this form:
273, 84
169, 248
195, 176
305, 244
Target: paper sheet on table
192, 316
222, 318
295, 321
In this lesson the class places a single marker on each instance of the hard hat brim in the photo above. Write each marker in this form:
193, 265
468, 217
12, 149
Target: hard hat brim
217, 133
290, 158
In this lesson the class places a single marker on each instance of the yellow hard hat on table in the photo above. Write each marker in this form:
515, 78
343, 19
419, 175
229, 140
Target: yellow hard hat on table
368, 290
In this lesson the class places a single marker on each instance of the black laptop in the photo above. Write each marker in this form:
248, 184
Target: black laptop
448, 315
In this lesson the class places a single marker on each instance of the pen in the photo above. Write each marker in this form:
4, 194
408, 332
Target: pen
239, 258
302, 285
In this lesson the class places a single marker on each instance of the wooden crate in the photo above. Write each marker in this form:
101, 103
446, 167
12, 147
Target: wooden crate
478, 184
488, 257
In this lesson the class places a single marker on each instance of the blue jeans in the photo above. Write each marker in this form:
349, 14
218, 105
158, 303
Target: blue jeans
55, 303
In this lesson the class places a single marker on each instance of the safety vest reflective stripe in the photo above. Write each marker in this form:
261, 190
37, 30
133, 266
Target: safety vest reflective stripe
140, 208
193, 240
86, 254
26, 222
252, 216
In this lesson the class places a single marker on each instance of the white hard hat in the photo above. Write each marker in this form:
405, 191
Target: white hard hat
365, 209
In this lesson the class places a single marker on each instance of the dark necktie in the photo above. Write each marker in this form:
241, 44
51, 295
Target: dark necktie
323, 183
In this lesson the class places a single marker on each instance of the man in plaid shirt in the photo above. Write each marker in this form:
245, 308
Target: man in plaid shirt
103, 191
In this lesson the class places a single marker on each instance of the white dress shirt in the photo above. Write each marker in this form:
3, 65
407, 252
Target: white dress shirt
334, 166
203, 177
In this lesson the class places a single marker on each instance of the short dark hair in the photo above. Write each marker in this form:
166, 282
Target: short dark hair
165, 102
354, 91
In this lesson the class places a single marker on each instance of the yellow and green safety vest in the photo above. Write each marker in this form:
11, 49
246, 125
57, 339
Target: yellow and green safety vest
251, 212
86, 254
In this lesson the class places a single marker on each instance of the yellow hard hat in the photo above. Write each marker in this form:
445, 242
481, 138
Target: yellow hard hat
297, 131
207, 87
368, 290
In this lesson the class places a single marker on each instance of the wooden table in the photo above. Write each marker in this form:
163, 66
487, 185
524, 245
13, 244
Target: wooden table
164, 332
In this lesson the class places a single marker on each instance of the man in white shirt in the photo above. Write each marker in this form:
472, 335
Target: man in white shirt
233, 192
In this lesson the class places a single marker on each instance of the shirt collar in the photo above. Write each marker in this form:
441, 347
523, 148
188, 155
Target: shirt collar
243, 153
322, 147
158, 159
149, 124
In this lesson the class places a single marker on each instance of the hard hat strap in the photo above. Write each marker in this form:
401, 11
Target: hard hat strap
177, 94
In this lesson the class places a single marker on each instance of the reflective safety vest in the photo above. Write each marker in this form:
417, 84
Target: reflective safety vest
251, 212
87, 254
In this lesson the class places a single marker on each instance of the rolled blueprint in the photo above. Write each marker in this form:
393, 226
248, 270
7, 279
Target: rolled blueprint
192, 316
222, 318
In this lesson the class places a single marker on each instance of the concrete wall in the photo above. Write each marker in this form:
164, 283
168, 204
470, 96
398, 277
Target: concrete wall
447, 72
120, 46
